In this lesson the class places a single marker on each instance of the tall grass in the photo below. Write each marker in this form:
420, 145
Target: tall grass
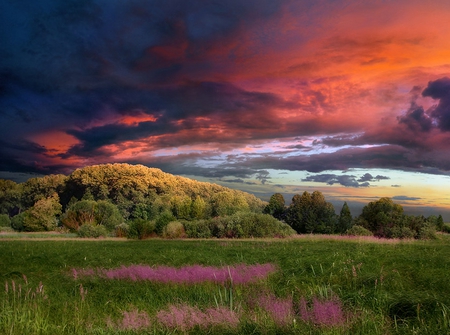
316, 286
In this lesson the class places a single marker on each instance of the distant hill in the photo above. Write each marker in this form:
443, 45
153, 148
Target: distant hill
137, 191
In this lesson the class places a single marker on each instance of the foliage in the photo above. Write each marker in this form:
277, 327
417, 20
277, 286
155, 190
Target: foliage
10, 195
310, 213
276, 206
38, 188
17, 221
227, 203
381, 216
174, 229
197, 229
427, 232
345, 220
43, 215
92, 212
248, 224
108, 215
359, 231
122, 230
5, 221
162, 221
140, 229
384, 218
129, 185
89, 230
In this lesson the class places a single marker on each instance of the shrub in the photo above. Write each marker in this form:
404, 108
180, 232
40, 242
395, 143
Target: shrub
359, 231
88, 230
174, 229
402, 232
17, 221
140, 229
122, 230
92, 213
5, 221
197, 229
446, 228
427, 232
162, 221
248, 224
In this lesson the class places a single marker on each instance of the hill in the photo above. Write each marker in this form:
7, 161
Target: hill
117, 198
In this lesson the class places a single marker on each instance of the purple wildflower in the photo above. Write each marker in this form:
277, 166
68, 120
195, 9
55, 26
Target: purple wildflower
280, 310
238, 274
322, 312
184, 317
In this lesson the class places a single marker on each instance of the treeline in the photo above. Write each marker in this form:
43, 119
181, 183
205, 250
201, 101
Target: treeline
312, 214
134, 201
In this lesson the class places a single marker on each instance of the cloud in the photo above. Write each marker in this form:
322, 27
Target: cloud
440, 89
344, 180
405, 198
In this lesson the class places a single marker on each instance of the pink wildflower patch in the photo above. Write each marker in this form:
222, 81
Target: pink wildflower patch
132, 320
238, 274
185, 317
280, 310
322, 312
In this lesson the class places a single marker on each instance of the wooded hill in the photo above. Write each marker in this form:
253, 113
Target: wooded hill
113, 194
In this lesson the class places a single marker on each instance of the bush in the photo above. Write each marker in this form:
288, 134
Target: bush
88, 230
446, 228
140, 229
402, 232
162, 221
17, 221
248, 224
197, 229
91, 212
5, 221
174, 229
427, 233
122, 230
359, 231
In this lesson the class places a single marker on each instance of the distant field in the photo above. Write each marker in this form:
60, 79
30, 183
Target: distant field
315, 285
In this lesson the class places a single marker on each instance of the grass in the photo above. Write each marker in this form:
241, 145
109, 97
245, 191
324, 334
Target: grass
356, 286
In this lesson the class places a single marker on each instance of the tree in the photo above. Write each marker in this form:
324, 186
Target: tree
440, 223
310, 213
345, 219
381, 215
276, 206
198, 208
9, 197
43, 215
90, 212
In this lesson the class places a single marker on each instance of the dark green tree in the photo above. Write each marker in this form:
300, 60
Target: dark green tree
381, 216
345, 219
440, 223
10, 195
276, 206
310, 213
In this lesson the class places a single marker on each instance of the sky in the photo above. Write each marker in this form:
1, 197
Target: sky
348, 97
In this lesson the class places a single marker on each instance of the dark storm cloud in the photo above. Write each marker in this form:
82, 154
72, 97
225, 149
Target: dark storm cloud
331, 179
440, 89
345, 180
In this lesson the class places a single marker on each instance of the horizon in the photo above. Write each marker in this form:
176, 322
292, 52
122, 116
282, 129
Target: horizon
348, 98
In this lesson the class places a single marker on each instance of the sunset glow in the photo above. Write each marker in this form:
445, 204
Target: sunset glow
347, 97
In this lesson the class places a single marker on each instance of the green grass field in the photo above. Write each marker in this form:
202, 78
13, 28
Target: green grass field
383, 287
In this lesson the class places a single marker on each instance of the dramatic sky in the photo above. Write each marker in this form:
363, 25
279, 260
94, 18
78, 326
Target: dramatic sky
348, 97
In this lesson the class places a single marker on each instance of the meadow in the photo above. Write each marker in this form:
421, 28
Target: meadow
304, 285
